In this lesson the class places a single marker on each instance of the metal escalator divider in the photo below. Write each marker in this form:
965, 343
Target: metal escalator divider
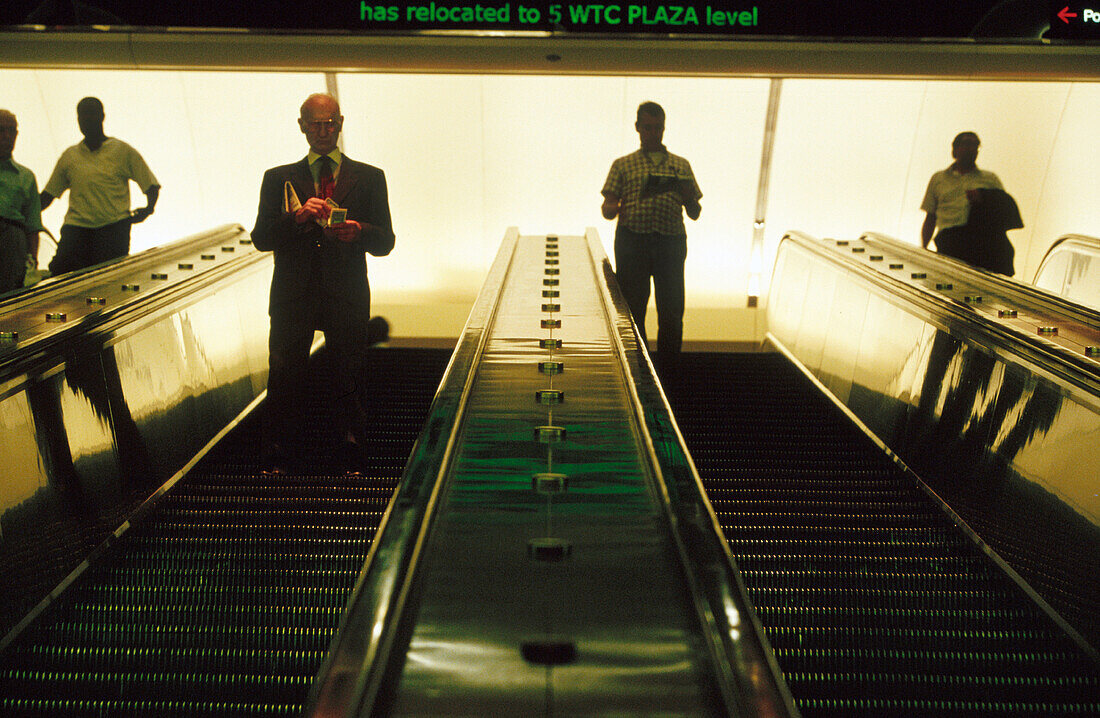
874, 602
224, 600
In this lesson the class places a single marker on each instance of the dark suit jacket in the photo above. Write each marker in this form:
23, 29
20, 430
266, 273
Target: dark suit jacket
310, 267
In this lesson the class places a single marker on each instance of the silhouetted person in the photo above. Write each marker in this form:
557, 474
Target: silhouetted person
971, 211
20, 210
320, 278
649, 190
97, 173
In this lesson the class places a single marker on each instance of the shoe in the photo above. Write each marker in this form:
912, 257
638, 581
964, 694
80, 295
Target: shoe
352, 459
273, 461
274, 468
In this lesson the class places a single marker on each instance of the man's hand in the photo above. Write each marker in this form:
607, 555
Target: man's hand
139, 215
346, 231
687, 198
610, 207
314, 208
927, 229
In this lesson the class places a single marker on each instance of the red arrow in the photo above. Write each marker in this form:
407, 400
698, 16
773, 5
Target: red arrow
1064, 14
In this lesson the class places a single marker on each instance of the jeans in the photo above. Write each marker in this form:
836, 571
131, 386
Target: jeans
641, 256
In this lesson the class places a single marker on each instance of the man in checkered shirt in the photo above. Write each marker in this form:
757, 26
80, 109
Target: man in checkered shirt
648, 190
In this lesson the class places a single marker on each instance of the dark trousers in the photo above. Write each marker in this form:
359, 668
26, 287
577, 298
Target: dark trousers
13, 256
640, 257
292, 328
82, 247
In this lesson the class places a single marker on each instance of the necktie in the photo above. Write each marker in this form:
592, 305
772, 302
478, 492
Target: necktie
326, 183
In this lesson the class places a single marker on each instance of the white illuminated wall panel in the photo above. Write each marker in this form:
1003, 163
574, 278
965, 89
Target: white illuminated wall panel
207, 136
468, 156
1069, 187
853, 156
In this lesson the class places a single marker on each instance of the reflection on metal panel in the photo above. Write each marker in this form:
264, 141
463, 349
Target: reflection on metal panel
1050, 437
101, 413
78, 433
841, 352
889, 360
18, 443
1007, 438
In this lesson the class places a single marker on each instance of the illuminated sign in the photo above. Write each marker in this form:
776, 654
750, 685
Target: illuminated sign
828, 19
1077, 21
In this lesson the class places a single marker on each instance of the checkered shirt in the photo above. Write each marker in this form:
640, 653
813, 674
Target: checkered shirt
661, 213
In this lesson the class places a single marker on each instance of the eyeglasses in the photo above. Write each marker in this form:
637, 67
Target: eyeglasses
318, 125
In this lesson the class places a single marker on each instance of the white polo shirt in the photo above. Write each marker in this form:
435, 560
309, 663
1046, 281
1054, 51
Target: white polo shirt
946, 194
99, 182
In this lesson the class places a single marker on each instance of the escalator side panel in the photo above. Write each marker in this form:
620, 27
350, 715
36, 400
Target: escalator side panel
100, 424
1000, 439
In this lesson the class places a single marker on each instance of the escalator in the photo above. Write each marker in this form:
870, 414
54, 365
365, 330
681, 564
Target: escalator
873, 600
223, 598
227, 595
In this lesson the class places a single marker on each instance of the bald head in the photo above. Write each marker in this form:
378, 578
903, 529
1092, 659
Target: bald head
319, 101
321, 121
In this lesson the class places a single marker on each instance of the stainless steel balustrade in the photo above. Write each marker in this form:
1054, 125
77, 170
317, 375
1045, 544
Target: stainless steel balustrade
55, 305
549, 549
1014, 306
1000, 420
155, 355
1071, 268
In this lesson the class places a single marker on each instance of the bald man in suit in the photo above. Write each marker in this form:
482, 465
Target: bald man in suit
320, 278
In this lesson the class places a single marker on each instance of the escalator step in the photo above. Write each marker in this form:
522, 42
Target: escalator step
873, 601
223, 600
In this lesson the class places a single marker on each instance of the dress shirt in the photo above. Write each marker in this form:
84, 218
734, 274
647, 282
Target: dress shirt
315, 166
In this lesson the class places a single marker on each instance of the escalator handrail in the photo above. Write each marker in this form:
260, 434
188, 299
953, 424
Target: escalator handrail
359, 659
1067, 244
51, 343
73, 282
747, 672
1092, 244
1078, 374
1027, 295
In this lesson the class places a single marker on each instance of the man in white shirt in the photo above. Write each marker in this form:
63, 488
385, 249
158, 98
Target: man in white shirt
97, 173
949, 195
